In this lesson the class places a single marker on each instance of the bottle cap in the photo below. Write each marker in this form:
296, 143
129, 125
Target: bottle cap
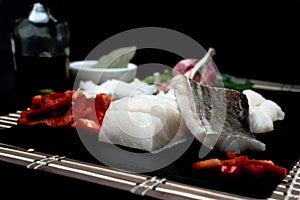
38, 14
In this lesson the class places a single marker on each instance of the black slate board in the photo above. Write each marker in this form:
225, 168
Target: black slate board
282, 149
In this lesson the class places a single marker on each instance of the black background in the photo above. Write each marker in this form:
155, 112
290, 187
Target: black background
252, 39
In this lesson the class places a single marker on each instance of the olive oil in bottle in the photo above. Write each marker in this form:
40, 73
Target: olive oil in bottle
41, 52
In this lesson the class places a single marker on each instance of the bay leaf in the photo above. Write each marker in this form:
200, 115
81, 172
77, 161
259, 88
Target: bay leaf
118, 58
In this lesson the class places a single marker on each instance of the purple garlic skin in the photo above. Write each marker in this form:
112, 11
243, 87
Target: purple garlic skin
206, 75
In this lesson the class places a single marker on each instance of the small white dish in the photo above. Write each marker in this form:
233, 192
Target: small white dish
85, 71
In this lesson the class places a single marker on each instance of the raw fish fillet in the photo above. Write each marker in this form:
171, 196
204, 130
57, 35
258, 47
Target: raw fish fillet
262, 112
217, 117
145, 122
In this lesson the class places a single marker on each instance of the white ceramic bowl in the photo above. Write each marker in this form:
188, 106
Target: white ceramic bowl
84, 70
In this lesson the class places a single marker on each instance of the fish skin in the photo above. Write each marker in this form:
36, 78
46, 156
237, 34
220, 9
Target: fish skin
217, 117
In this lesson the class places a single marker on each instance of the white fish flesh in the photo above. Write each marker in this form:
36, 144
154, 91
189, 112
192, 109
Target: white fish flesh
262, 112
217, 117
145, 122
116, 88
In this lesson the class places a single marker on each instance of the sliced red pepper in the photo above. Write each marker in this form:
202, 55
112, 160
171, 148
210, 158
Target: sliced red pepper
210, 163
232, 171
255, 170
277, 171
230, 155
261, 162
88, 125
53, 110
238, 165
238, 160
